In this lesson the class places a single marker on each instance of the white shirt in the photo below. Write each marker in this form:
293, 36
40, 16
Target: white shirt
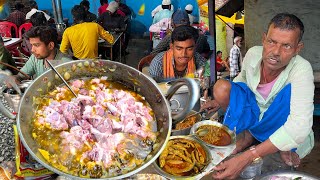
297, 130
159, 8
33, 10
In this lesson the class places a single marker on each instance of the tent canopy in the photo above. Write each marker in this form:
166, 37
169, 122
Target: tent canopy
231, 7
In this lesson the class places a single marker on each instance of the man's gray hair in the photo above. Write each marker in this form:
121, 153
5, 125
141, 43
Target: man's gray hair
236, 39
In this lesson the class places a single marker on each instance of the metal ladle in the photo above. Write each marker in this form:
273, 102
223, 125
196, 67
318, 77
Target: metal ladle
64, 81
200, 132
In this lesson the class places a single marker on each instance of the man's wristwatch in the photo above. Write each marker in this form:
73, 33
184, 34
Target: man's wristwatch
254, 153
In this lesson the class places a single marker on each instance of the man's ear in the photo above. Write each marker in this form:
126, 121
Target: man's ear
264, 37
51, 45
171, 46
299, 48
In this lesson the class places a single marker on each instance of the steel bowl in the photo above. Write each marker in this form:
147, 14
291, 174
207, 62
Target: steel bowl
197, 176
287, 174
186, 131
214, 123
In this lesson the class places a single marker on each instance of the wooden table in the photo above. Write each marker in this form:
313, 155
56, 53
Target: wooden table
117, 39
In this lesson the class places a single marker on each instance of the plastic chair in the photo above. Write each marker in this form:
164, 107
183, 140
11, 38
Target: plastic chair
8, 29
24, 47
24, 28
145, 62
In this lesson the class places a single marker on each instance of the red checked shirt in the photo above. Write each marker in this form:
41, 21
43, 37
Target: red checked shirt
17, 17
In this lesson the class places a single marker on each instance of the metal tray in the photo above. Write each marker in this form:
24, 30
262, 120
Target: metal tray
289, 174
214, 123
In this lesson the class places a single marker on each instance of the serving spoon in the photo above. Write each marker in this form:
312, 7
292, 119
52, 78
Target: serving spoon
200, 132
64, 81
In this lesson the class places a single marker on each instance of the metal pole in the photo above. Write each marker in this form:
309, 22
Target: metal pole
212, 29
59, 11
54, 10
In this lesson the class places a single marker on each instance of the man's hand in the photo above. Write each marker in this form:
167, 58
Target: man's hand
10, 81
244, 140
230, 169
210, 105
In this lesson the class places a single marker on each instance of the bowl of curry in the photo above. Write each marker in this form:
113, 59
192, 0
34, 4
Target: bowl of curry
216, 134
184, 157
183, 127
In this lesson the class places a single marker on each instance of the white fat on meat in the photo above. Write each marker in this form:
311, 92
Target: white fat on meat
56, 120
75, 138
104, 151
77, 83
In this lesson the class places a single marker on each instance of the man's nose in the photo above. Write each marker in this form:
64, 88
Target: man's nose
276, 49
184, 52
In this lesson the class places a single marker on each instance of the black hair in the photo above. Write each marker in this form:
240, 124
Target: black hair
46, 34
288, 22
218, 52
85, 3
102, 2
79, 13
18, 6
166, 6
33, 4
38, 19
184, 32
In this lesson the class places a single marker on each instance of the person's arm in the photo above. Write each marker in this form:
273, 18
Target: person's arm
28, 69
155, 10
156, 68
298, 126
156, 27
65, 42
105, 34
231, 168
163, 45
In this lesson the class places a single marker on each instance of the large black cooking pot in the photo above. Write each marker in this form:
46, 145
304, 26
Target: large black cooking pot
115, 71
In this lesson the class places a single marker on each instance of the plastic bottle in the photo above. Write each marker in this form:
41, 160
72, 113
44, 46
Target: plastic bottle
163, 30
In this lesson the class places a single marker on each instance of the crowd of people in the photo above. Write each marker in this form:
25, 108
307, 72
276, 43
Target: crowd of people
267, 95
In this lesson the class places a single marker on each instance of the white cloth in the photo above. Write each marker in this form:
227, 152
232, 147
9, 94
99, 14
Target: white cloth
32, 11
159, 8
157, 26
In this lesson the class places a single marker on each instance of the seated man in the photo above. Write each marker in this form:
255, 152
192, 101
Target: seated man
34, 9
17, 16
271, 100
103, 7
44, 46
180, 60
83, 37
90, 17
179, 18
221, 65
110, 20
124, 8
